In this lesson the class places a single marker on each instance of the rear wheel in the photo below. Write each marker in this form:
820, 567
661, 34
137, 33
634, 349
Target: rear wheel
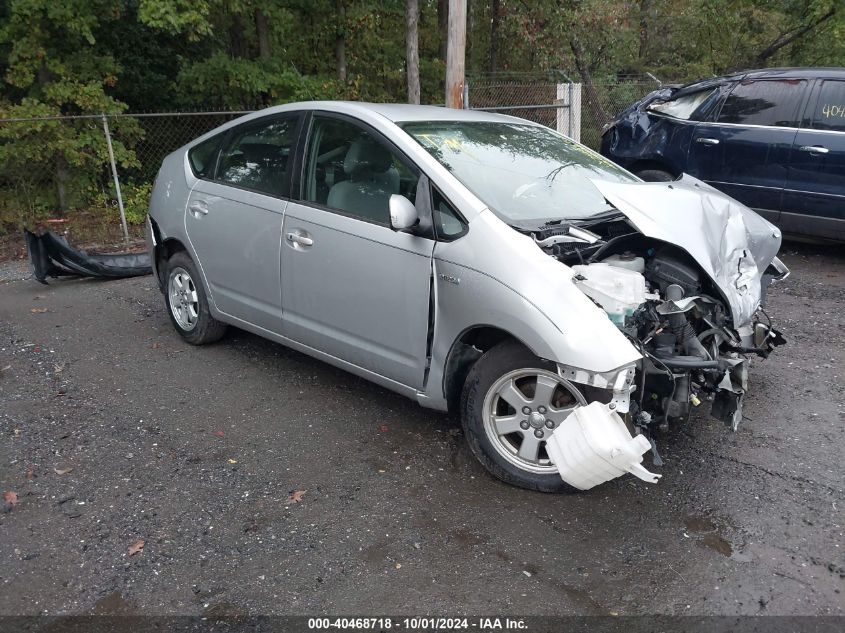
655, 175
511, 403
187, 303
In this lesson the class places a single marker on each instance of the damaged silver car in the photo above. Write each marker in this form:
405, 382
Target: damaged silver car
478, 263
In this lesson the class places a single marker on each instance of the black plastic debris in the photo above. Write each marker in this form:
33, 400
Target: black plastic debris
51, 256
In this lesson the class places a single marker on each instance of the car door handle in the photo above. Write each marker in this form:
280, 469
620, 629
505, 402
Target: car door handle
198, 209
814, 149
706, 140
299, 238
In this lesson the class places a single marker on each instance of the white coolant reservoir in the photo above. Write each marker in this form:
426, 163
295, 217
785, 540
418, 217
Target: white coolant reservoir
593, 445
618, 290
626, 260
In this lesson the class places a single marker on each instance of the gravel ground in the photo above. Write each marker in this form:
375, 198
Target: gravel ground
115, 432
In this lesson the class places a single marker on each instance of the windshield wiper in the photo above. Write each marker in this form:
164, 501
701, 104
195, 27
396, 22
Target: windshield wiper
599, 217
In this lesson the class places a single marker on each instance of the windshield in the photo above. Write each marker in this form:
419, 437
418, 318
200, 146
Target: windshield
526, 174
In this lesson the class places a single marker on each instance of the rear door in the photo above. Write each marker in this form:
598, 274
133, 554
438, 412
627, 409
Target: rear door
814, 199
352, 287
745, 151
234, 219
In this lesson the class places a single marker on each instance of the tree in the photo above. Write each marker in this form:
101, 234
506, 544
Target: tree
54, 67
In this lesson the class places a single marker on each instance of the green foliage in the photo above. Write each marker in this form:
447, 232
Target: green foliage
78, 57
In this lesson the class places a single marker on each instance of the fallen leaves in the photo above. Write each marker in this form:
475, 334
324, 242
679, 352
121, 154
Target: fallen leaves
296, 496
219, 434
38, 310
136, 547
384, 428
155, 346
63, 471
10, 497
232, 461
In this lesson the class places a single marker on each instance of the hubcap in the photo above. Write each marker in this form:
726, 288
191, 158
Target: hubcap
522, 409
184, 304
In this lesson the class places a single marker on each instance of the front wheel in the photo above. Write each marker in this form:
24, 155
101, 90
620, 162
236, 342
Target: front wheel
512, 401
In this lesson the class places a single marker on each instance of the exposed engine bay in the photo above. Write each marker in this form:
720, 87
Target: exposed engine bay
679, 318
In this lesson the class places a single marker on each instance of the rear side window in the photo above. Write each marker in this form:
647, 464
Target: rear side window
203, 157
830, 109
764, 102
256, 155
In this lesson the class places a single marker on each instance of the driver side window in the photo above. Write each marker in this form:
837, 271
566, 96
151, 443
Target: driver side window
349, 170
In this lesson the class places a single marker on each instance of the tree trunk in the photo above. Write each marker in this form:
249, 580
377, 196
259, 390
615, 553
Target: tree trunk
340, 41
237, 39
262, 30
61, 185
456, 54
442, 26
412, 49
645, 7
495, 10
599, 114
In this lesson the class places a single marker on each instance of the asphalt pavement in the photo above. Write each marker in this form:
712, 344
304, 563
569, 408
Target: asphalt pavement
246, 478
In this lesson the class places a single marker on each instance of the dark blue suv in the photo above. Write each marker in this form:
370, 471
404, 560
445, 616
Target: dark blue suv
773, 139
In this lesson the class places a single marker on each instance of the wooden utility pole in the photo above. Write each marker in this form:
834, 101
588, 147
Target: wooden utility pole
412, 49
456, 53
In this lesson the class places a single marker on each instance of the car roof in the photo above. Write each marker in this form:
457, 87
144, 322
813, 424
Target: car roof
398, 112
768, 73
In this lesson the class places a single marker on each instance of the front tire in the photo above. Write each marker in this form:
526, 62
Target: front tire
187, 303
511, 403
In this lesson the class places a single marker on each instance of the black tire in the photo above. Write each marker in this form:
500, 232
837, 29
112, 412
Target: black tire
655, 175
205, 328
493, 365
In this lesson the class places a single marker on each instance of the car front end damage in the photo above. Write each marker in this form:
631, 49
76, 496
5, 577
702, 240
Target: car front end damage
682, 272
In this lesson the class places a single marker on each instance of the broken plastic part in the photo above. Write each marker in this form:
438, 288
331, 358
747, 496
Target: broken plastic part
51, 256
593, 445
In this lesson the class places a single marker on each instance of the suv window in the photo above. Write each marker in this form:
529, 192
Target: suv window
256, 155
771, 102
830, 108
203, 157
682, 107
352, 171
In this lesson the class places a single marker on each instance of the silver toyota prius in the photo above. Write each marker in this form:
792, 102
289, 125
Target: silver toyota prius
480, 264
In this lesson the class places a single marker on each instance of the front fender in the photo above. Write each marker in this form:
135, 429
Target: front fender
498, 277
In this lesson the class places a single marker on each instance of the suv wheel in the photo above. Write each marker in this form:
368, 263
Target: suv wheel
655, 175
511, 403
187, 303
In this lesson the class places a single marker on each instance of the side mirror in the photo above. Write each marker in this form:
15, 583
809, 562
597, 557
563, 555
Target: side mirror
403, 213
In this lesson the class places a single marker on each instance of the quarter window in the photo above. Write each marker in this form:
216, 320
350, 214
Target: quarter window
203, 157
447, 221
830, 108
352, 171
772, 102
256, 156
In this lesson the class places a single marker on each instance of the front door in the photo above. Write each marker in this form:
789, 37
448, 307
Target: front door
351, 286
745, 152
234, 220
814, 200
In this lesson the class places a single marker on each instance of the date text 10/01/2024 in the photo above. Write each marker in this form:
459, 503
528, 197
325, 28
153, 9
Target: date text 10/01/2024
419, 623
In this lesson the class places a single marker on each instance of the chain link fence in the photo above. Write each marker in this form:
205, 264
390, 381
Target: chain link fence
554, 100
53, 168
